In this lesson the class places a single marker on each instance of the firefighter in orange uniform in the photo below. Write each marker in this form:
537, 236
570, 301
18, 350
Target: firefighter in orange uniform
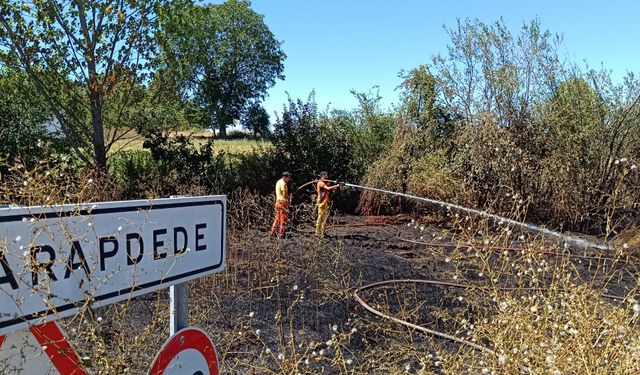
322, 190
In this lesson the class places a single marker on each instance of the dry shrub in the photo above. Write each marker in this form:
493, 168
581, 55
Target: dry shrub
566, 329
55, 182
432, 177
407, 167
556, 319
249, 209
390, 172
541, 314
566, 174
491, 164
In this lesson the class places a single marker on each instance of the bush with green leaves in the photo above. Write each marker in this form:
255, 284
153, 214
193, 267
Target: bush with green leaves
23, 116
343, 144
180, 163
135, 172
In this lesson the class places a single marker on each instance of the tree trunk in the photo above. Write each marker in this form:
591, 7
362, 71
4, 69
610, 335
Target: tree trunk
97, 118
96, 90
99, 149
222, 134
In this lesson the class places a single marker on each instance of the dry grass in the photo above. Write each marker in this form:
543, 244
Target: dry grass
286, 307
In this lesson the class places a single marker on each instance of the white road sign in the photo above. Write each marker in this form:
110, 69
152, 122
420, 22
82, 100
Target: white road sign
55, 259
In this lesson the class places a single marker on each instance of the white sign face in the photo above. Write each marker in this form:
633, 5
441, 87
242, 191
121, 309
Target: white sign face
56, 259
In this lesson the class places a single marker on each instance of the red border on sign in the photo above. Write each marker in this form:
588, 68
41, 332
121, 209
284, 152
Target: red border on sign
1, 341
192, 338
62, 355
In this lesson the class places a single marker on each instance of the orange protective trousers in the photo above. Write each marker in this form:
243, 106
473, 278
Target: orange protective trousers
282, 217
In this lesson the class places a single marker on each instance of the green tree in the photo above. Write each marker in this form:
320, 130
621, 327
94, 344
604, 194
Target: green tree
256, 120
306, 143
370, 129
493, 79
225, 57
84, 57
418, 94
488, 69
575, 143
419, 106
23, 115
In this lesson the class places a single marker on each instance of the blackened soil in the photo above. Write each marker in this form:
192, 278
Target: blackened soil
287, 305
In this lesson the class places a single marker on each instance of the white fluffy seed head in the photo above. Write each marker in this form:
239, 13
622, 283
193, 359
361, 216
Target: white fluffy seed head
550, 359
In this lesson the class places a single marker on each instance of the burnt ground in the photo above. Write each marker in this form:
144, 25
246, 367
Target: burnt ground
287, 305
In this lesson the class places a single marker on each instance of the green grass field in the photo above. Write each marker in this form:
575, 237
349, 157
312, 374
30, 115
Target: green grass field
236, 146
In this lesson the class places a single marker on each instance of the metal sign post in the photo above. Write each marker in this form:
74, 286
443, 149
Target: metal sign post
178, 308
178, 302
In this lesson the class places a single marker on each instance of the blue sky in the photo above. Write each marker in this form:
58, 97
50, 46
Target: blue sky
334, 46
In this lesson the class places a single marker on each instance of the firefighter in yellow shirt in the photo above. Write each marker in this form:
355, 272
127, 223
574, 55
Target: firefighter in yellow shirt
283, 199
322, 190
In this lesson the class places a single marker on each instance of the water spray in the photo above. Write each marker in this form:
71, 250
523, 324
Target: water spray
567, 240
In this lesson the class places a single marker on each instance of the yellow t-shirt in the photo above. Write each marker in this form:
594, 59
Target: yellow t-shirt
282, 191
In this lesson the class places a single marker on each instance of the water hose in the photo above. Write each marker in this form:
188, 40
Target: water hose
567, 240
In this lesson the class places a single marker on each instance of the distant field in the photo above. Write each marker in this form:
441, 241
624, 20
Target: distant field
236, 146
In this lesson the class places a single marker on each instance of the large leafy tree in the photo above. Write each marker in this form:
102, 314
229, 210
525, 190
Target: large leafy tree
224, 56
86, 58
